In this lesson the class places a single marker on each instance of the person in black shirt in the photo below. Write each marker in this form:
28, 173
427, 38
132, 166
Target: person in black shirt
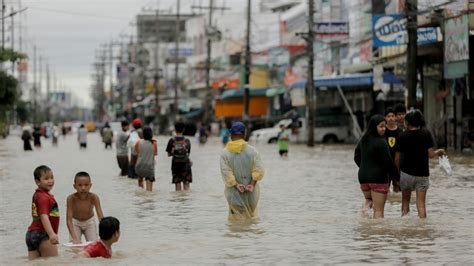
391, 133
414, 148
179, 148
376, 167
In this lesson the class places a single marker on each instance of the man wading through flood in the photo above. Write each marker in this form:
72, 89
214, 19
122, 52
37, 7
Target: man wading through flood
241, 169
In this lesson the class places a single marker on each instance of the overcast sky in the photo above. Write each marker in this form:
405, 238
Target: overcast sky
67, 32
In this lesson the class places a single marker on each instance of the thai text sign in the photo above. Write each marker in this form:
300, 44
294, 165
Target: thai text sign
329, 30
390, 30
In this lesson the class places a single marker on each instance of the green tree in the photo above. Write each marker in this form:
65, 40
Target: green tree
8, 89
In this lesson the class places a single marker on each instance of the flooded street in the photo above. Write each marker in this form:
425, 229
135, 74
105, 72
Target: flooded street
309, 210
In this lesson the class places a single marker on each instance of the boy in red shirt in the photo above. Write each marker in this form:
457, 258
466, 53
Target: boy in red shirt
109, 232
41, 237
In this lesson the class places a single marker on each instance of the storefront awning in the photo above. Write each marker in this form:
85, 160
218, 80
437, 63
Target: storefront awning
275, 91
194, 114
229, 94
354, 80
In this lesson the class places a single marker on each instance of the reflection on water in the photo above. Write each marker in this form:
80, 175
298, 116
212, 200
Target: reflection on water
238, 229
309, 210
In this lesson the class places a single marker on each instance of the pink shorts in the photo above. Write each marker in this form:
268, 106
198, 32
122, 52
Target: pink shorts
376, 187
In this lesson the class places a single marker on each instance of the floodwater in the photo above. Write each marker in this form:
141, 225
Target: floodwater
309, 210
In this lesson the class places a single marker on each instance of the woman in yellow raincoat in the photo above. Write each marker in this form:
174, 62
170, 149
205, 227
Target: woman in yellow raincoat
241, 169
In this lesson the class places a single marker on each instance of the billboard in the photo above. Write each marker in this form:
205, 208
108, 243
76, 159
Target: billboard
451, 8
150, 27
456, 41
390, 30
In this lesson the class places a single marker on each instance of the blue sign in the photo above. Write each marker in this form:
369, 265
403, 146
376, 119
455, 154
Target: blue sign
390, 30
427, 36
183, 52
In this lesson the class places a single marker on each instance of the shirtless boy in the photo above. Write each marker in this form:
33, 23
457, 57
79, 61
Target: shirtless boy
80, 210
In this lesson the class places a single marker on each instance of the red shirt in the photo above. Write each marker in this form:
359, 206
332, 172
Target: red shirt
97, 249
44, 203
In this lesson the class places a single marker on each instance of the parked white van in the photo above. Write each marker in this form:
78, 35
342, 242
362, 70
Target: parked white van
324, 134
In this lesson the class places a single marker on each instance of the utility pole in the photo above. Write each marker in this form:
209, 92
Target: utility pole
310, 102
48, 102
35, 88
20, 30
111, 77
13, 65
411, 10
176, 66
40, 76
3, 25
208, 68
247, 66
157, 69
13, 39
209, 31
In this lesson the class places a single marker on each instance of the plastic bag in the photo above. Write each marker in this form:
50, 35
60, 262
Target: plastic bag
444, 165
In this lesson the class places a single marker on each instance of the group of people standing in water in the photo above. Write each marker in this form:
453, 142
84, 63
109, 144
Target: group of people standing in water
395, 149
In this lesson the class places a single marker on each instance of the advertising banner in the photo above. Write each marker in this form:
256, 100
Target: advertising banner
456, 41
390, 30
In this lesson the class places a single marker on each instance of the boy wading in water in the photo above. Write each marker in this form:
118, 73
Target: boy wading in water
283, 139
241, 169
391, 134
80, 210
179, 148
41, 238
109, 231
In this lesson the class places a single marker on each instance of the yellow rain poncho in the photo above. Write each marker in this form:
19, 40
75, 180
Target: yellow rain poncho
241, 164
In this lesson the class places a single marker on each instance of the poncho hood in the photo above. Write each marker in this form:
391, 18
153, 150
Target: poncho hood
236, 146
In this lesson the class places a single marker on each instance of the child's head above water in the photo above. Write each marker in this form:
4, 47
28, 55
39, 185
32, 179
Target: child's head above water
41, 171
44, 177
109, 229
82, 182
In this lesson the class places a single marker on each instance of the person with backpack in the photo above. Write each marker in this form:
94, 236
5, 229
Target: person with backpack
179, 149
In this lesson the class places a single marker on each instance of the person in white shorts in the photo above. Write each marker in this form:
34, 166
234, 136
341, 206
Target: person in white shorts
80, 210
413, 150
